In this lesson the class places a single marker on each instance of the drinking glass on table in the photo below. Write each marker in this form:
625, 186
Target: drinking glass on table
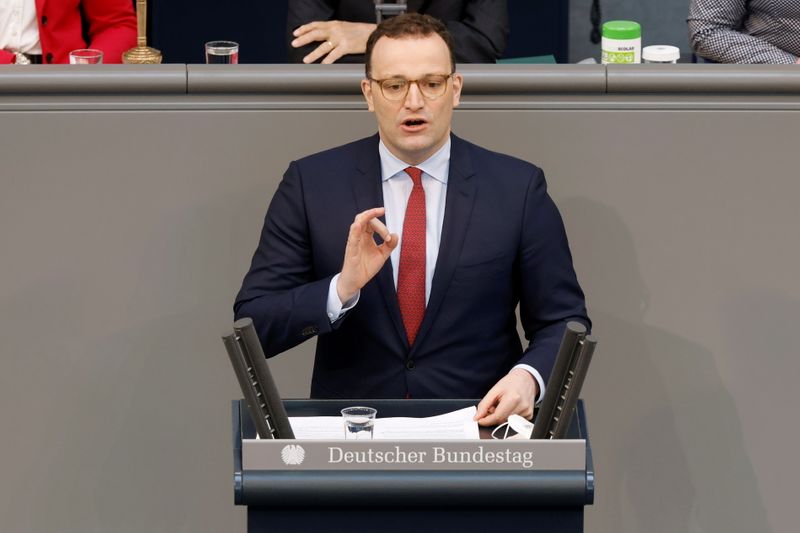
359, 422
222, 53
85, 56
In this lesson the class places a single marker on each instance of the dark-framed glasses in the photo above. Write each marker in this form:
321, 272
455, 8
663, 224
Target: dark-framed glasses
431, 86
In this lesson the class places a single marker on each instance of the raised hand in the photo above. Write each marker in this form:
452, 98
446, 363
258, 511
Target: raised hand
363, 257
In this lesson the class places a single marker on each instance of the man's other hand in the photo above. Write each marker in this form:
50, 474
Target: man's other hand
363, 257
338, 38
513, 394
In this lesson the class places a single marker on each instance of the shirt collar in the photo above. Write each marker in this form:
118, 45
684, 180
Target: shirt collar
436, 166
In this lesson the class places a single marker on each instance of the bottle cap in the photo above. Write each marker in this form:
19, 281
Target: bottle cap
622, 29
661, 53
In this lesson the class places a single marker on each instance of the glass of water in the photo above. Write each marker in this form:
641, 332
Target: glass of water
85, 56
222, 53
359, 422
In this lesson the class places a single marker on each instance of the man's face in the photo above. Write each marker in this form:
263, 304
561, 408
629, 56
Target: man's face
414, 127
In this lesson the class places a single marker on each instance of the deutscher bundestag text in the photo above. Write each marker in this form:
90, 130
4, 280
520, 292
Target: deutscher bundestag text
438, 455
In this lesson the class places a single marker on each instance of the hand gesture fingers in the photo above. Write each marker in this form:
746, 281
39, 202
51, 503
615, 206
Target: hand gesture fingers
378, 227
363, 257
368, 222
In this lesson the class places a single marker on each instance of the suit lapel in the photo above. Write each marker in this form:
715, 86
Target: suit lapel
368, 192
458, 208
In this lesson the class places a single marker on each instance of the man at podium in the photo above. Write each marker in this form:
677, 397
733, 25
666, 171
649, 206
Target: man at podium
407, 253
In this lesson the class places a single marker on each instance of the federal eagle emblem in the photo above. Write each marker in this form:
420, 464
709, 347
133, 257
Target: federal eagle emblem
293, 454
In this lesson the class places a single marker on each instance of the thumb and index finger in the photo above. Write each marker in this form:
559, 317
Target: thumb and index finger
494, 408
369, 222
363, 257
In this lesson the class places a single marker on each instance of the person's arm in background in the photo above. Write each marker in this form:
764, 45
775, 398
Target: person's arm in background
111, 27
481, 34
7, 58
300, 13
313, 35
713, 34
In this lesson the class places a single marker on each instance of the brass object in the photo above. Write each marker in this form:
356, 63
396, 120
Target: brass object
142, 54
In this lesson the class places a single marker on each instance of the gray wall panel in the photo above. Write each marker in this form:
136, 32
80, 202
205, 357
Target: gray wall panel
681, 236
125, 236
87, 79
123, 249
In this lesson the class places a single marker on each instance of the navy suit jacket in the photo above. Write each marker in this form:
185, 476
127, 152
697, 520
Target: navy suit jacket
503, 243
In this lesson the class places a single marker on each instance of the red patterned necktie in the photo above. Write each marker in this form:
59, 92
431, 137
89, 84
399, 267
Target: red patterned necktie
411, 273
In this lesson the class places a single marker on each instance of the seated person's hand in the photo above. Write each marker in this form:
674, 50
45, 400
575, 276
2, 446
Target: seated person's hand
513, 394
338, 39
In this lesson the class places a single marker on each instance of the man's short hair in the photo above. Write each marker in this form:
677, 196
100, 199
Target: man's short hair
405, 26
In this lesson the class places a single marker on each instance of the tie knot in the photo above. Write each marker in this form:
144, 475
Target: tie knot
416, 175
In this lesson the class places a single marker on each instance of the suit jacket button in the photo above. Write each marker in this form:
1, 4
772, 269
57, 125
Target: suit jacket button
410, 364
49, 57
310, 330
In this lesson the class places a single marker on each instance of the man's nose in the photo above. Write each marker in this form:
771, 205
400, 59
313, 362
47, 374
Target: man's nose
414, 98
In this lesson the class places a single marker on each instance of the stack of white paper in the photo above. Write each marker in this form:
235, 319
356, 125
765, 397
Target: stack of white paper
455, 425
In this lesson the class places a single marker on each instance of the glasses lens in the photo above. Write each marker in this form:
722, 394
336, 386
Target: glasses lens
394, 89
433, 86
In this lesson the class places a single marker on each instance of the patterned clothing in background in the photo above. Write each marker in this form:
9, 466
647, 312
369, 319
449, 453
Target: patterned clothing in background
745, 31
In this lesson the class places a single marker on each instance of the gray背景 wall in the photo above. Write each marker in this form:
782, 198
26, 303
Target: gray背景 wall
132, 201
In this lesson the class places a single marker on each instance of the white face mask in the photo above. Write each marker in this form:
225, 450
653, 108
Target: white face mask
522, 427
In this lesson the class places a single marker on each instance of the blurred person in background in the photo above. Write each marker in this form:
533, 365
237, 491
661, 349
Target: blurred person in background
46, 31
745, 31
331, 31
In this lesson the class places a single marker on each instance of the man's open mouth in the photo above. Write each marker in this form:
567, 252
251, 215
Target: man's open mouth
414, 122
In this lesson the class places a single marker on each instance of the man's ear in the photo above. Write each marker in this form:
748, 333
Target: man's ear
366, 89
458, 83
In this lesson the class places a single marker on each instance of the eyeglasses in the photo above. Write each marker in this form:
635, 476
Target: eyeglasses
431, 86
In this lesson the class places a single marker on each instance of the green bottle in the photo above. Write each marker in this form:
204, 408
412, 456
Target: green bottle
622, 42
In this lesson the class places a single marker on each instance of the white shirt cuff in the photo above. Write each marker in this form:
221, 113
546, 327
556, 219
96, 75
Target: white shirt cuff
538, 377
335, 308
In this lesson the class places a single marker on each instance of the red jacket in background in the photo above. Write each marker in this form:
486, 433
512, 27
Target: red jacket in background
111, 28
